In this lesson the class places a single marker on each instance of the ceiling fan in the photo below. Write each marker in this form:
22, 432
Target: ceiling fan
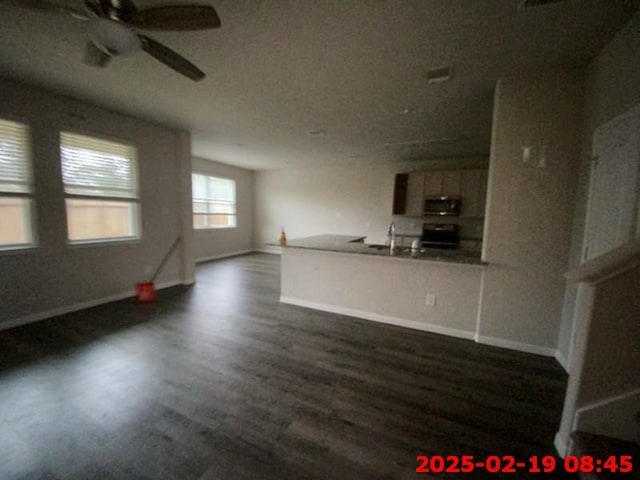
114, 24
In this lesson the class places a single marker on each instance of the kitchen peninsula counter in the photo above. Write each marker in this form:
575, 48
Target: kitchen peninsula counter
355, 245
432, 290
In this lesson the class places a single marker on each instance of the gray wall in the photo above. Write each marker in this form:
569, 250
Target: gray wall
385, 289
612, 88
220, 242
55, 277
530, 209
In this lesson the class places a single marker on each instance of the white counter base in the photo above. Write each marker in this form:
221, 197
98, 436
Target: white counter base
384, 289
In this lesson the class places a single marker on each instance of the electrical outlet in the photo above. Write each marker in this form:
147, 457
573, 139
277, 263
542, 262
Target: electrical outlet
430, 300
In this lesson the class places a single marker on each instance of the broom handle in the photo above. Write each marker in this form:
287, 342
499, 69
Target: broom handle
166, 257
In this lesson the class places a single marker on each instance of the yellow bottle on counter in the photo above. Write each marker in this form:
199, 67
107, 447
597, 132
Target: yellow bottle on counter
282, 239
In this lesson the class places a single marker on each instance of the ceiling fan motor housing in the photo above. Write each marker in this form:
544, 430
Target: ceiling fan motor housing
113, 37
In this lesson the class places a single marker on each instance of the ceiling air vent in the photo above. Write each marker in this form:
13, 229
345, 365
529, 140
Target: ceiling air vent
538, 3
439, 75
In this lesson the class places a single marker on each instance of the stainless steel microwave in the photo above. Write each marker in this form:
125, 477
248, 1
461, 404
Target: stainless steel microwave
442, 206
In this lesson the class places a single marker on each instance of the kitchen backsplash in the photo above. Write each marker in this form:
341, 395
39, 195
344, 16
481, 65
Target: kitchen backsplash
470, 229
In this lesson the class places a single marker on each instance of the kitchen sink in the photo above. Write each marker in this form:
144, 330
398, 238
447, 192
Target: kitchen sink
397, 248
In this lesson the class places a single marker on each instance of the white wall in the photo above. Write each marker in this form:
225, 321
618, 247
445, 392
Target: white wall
334, 200
612, 88
529, 209
220, 242
56, 276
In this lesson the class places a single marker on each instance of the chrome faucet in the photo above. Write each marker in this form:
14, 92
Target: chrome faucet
391, 235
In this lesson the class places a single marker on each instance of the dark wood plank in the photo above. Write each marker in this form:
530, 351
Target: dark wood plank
221, 381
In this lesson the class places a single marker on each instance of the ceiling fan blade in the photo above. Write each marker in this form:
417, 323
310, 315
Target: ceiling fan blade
171, 58
45, 5
96, 57
94, 6
120, 10
178, 17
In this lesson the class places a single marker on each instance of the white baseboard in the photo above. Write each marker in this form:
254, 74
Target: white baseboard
562, 360
36, 317
561, 446
223, 255
274, 250
513, 345
426, 327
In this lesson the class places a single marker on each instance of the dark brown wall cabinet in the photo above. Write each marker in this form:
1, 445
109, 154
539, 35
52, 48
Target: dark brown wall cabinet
400, 194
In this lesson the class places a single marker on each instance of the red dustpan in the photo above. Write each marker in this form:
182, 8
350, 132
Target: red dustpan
146, 291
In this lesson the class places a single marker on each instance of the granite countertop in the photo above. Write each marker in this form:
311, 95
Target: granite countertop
355, 244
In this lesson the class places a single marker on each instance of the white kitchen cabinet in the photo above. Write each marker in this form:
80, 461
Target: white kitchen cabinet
433, 183
473, 193
451, 182
470, 193
415, 194
442, 182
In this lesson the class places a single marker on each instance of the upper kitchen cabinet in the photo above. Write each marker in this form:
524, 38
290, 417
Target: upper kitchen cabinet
400, 194
451, 183
473, 191
433, 183
415, 194
412, 188
408, 195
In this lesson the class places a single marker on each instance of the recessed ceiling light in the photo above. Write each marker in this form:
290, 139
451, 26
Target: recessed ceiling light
405, 111
316, 133
439, 75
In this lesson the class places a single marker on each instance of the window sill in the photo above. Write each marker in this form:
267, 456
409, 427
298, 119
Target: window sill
105, 242
200, 229
18, 249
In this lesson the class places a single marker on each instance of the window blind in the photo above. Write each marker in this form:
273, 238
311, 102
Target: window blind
213, 189
15, 158
95, 167
222, 189
214, 202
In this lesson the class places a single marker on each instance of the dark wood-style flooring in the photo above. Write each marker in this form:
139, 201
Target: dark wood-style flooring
221, 381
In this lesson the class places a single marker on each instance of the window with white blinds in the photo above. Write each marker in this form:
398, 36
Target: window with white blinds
16, 185
101, 188
214, 202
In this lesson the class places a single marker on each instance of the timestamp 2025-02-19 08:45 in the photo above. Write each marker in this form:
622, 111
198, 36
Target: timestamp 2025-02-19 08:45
543, 464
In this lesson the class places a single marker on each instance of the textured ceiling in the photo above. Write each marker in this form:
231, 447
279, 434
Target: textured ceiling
353, 69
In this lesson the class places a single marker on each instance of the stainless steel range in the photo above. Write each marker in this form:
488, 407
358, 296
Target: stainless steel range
442, 235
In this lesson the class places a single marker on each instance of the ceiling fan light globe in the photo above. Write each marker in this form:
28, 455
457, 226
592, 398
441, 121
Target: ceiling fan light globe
114, 37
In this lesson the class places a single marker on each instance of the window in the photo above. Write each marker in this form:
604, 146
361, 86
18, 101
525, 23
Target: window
101, 188
16, 186
214, 202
